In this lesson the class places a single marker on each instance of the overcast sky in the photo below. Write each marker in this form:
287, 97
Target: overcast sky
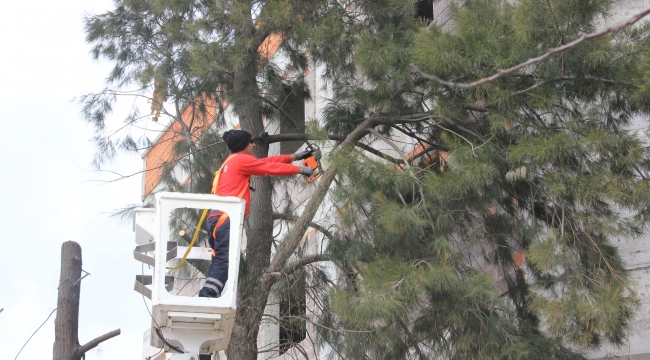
48, 195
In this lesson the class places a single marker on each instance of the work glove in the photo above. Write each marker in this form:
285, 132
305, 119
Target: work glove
302, 155
306, 170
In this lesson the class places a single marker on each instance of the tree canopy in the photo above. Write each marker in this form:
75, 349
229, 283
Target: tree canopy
549, 162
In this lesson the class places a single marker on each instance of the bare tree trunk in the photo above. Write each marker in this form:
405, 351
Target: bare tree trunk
259, 224
66, 325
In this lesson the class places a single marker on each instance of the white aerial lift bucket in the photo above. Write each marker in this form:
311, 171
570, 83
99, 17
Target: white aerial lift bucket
193, 324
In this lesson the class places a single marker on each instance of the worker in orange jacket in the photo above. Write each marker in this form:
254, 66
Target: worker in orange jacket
234, 178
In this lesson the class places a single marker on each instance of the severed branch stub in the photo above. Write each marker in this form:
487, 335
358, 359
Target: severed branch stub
81, 350
558, 50
66, 325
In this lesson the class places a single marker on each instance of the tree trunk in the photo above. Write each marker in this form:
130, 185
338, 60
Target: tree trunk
251, 296
66, 325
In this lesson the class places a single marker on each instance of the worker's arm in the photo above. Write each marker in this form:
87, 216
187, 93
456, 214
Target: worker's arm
286, 159
251, 165
300, 155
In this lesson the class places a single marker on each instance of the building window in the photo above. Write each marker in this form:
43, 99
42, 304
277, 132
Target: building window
424, 10
293, 102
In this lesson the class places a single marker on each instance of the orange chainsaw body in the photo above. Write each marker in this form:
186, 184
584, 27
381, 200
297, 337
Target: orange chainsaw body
314, 164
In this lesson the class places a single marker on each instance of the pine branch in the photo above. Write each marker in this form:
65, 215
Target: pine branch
453, 127
410, 133
163, 165
280, 109
306, 319
395, 147
476, 108
304, 137
295, 265
298, 137
412, 339
288, 137
179, 120
292, 240
379, 153
406, 119
426, 151
278, 216
410, 172
582, 37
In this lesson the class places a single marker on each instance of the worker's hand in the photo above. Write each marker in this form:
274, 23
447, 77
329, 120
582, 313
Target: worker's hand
214, 253
306, 170
302, 155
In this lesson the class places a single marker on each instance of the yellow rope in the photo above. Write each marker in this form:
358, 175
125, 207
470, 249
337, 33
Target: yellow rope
196, 234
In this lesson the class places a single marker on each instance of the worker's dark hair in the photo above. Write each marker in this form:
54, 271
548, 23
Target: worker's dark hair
237, 140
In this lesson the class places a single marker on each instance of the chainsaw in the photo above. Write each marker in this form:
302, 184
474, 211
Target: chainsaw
314, 163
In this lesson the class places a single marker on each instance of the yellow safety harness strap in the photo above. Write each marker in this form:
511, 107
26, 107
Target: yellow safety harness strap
205, 213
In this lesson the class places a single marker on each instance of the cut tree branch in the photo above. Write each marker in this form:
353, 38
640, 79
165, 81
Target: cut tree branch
582, 37
81, 350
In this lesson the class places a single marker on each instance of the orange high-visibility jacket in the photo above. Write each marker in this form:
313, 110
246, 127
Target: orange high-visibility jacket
237, 172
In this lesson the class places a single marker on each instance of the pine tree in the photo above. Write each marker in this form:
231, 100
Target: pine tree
544, 162
198, 54
549, 162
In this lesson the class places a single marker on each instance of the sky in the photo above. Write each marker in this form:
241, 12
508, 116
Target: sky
49, 192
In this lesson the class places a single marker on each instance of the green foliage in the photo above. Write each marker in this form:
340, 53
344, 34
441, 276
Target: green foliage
550, 162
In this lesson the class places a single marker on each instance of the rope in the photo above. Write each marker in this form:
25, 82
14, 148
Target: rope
189, 248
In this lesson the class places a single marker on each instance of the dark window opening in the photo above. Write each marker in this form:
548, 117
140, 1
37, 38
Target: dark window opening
293, 311
293, 102
424, 10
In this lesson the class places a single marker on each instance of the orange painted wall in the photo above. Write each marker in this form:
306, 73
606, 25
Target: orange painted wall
162, 151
